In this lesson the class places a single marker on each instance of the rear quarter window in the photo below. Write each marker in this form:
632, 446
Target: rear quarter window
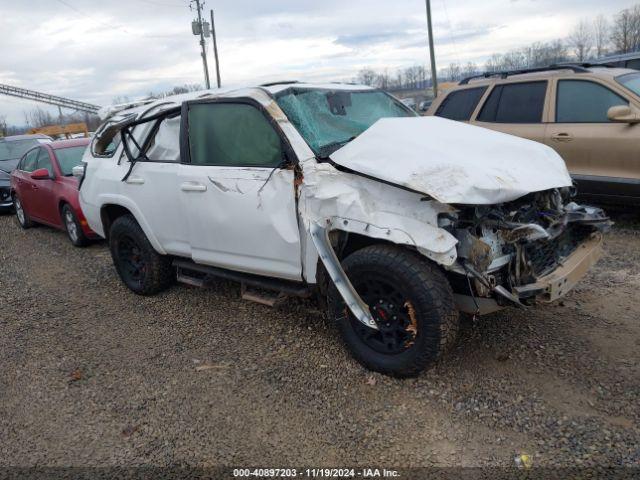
459, 105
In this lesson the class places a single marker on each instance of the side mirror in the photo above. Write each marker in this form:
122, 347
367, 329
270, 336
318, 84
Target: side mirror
40, 174
78, 170
623, 114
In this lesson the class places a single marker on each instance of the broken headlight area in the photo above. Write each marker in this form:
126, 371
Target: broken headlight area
502, 248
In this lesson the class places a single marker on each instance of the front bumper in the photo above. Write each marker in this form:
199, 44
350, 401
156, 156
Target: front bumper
559, 282
548, 288
5, 197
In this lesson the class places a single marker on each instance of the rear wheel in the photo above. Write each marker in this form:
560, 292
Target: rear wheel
411, 302
72, 225
140, 267
23, 219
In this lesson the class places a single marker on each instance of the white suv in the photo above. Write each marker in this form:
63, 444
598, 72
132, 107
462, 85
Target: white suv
399, 221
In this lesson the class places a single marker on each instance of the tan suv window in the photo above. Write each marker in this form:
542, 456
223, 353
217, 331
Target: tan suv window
459, 105
581, 101
515, 103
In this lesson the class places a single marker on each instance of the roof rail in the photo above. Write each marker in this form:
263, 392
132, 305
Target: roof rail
284, 82
582, 64
577, 68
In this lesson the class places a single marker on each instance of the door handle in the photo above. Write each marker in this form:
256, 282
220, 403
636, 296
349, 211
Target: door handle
562, 137
135, 180
193, 187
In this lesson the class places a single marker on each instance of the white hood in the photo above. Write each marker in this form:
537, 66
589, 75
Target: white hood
453, 162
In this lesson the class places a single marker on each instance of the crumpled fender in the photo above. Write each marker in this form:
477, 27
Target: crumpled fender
351, 203
333, 200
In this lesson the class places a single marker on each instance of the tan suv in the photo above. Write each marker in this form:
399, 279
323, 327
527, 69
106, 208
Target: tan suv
590, 114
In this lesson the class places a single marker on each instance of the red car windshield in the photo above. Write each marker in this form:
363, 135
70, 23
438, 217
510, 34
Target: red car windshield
69, 158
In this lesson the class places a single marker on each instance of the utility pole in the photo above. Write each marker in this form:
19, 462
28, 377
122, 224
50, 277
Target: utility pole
434, 72
199, 30
215, 49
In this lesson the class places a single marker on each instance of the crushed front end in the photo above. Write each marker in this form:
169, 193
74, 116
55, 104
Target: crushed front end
533, 249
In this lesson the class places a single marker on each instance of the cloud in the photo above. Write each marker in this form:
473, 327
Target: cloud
94, 51
369, 39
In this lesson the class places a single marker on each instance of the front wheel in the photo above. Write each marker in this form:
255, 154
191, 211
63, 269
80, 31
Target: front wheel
140, 267
411, 302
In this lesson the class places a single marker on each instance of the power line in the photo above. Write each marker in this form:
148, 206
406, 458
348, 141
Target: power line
161, 4
452, 37
107, 25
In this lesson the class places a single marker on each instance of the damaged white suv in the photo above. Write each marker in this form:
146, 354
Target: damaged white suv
399, 221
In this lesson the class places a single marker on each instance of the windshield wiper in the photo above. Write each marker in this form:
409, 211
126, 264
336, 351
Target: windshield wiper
326, 150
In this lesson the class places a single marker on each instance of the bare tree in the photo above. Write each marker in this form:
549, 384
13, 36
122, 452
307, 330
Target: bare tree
3, 125
470, 69
581, 40
556, 52
120, 99
514, 60
601, 35
367, 76
625, 33
384, 79
493, 64
454, 72
180, 89
39, 118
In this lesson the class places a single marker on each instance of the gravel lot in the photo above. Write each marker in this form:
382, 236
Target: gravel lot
91, 374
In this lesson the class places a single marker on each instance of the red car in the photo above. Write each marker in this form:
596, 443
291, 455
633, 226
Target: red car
44, 190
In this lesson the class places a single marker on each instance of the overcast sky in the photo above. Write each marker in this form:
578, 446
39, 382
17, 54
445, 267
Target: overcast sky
96, 50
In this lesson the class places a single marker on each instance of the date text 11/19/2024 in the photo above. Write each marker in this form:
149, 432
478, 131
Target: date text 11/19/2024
315, 473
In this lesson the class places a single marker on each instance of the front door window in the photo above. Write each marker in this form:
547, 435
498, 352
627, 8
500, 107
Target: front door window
581, 101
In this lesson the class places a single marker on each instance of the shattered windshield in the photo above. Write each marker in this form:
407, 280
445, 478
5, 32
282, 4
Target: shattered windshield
328, 119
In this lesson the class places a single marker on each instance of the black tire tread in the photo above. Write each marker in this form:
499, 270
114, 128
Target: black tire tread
435, 290
161, 273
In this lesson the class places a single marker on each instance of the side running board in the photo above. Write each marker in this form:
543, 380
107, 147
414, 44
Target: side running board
200, 275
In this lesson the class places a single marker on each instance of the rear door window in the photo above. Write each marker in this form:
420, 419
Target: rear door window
459, 105
164, 145
515, 103
581, 101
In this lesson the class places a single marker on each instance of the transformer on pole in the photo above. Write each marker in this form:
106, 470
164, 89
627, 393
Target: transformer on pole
200, 28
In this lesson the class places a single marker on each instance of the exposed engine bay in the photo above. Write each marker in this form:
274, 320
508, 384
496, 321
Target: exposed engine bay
504, 248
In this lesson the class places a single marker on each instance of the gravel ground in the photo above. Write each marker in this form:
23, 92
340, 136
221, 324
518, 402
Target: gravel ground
92, 375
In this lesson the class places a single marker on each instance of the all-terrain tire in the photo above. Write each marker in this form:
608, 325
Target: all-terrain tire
72, 227
424, 288
130, 248
23, 218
